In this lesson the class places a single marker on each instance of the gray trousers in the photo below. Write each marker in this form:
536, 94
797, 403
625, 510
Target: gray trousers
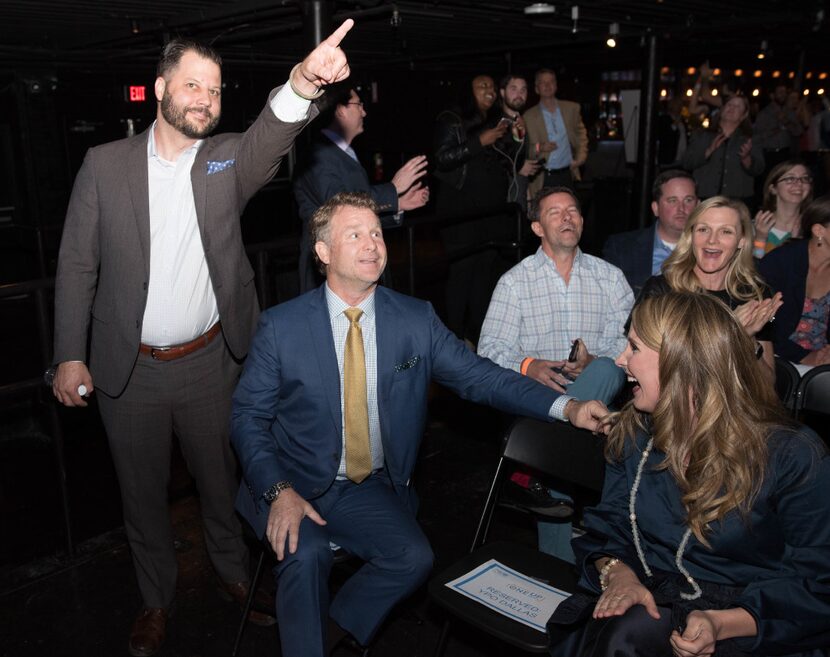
190, 396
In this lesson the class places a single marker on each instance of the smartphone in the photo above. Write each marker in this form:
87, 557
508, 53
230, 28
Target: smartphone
574, 351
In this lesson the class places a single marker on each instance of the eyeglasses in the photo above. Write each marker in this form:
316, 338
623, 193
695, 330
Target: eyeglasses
792, 180
355, 102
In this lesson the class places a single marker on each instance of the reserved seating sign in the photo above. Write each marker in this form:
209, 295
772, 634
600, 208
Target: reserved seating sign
510, 593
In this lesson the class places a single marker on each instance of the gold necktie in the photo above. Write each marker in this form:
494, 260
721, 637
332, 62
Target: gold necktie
356, 408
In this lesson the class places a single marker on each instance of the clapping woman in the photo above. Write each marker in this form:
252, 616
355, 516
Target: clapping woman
787, 191
724, 159
713, 532
713, 255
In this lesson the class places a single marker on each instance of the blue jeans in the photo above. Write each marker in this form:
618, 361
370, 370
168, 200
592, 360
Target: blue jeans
602, 380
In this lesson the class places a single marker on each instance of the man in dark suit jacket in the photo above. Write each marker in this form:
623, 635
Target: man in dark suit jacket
640, 253
332, 166
152, 263
291, 430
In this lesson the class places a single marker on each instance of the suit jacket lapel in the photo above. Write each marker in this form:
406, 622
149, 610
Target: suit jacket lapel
319, 325
198, 179
385, 332
140, 193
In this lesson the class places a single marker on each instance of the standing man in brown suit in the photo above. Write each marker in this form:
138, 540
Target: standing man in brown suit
152, 263
556, 136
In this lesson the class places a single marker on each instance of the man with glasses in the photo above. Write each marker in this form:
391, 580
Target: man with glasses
332, 167
558, 318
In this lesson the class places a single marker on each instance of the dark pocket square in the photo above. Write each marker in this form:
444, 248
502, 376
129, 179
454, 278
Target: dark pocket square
215, 166
412, 362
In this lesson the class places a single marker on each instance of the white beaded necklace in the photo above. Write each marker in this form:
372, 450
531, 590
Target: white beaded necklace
632, 514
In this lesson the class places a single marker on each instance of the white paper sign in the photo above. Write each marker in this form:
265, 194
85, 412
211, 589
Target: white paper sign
510, 593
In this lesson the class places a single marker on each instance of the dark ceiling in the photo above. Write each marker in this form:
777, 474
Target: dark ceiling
454, 35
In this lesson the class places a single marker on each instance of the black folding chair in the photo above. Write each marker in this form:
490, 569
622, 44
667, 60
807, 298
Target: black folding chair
557, 450
787, 379
813, 394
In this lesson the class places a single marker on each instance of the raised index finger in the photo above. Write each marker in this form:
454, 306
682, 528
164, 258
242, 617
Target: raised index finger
337, 36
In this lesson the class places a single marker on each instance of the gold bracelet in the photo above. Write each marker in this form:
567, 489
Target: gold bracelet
320, 91
603, 573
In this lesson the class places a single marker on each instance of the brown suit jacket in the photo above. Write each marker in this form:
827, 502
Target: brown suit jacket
104, 261
577, 136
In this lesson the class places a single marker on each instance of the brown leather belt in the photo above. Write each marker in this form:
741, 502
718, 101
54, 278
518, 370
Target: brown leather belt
179, 350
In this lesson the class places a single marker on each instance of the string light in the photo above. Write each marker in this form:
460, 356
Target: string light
689, 93
613, 33
755, 92
739, 72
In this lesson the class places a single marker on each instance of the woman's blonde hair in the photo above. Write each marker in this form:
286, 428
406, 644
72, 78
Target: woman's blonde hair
742, 280
715, 409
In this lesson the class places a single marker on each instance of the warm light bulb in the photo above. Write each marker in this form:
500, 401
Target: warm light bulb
776, 74
705, 122
806, 92
758, 73
755, 92
663, 93
611, 42
714, 92
689, 93
820, 92
739, 72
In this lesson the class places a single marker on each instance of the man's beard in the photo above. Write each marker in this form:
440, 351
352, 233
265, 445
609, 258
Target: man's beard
515, 105
177, 117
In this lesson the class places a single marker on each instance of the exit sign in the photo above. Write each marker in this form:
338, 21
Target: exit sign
136, 94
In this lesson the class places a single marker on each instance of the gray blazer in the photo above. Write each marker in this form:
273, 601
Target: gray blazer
104, 261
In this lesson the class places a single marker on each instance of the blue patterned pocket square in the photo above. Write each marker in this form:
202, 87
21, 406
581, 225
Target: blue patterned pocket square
214, 166
412, 362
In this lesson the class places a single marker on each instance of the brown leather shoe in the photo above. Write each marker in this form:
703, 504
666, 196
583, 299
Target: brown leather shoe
238, 592
147, 634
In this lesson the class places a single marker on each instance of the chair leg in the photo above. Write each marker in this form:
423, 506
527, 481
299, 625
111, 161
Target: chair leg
442, 640
249, 601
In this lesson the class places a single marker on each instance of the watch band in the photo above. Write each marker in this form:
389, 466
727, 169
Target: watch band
273, 493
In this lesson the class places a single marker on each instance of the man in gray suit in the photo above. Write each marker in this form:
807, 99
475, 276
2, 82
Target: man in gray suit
152, 263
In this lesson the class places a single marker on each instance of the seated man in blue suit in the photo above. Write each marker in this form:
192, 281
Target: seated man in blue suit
332, 166
327, 421
640, 253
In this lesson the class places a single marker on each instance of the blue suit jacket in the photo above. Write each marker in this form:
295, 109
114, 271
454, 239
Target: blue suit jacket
330, 170
286, 420
632, 252
327, 171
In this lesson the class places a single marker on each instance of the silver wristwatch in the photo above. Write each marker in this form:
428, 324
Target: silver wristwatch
274, 492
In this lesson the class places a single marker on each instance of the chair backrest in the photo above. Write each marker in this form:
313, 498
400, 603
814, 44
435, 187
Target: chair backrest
554, 448
814, 391
558, 449
786, 381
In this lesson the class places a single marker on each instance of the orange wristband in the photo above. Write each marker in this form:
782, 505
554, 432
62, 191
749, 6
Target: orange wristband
525, 364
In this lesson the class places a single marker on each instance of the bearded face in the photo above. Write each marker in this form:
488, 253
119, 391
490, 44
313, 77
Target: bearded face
192, 121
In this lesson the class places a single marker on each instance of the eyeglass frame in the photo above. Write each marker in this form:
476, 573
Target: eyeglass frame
792, 180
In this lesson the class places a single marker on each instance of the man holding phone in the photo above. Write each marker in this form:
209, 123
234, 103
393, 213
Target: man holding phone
513, 144
558, 317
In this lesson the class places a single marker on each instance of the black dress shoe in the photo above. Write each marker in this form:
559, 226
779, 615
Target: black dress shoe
537, 499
